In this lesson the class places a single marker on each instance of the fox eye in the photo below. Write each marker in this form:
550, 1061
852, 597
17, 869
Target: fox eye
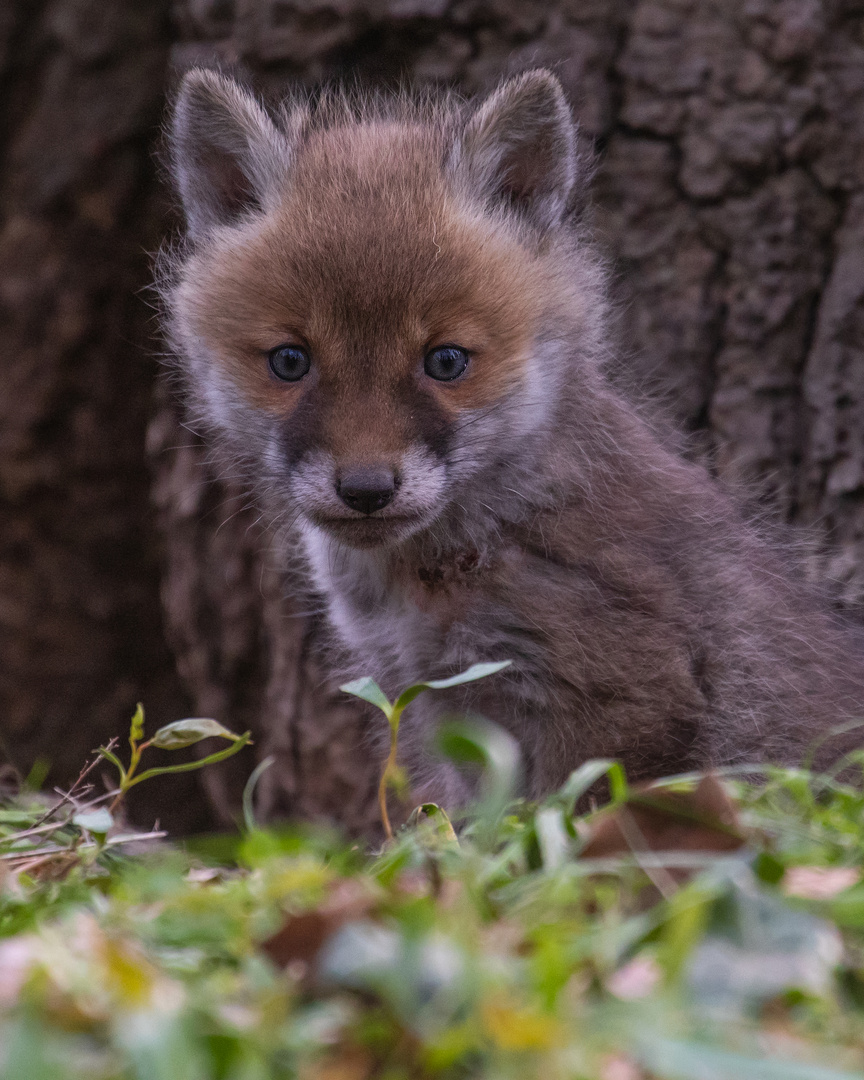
445, 363
289, 362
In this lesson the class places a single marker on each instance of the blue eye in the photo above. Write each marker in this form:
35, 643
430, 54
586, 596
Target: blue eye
445, 363
289, 362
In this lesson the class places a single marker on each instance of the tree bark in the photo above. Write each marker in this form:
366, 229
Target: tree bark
729, 196
80, 622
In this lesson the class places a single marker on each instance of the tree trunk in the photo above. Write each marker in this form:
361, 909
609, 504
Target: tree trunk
729, 195
80, 623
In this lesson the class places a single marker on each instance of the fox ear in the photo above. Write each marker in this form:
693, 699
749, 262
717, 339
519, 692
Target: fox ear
227, 156
519, 148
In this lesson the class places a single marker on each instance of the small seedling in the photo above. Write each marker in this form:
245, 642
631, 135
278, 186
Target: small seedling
368, 690
171, 737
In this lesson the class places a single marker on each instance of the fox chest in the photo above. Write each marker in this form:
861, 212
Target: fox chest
401, 619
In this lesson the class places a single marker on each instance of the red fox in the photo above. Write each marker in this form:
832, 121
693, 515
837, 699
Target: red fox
387, 314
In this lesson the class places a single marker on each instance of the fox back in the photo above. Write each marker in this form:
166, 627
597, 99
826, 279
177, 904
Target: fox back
387, 315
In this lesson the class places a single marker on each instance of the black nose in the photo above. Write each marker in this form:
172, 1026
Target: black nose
366, 489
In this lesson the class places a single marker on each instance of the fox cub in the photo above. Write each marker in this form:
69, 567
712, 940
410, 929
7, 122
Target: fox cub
386, 315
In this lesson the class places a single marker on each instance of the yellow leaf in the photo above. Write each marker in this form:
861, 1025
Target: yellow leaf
514, 1028
295, 880
129, 977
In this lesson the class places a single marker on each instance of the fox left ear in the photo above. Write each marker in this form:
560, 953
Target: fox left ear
519, 148
227, 156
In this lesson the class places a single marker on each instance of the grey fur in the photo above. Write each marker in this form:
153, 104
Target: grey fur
520, 147
226, 154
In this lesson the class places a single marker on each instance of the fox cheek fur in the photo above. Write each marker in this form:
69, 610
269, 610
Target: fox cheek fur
515, 506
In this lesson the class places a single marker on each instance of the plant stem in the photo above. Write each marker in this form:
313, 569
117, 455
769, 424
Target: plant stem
385, 776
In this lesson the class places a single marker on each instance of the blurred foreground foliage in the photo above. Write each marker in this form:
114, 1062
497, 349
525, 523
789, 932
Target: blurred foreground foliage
706, 928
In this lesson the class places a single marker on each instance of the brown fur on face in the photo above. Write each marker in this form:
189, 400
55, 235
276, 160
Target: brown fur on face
369, 262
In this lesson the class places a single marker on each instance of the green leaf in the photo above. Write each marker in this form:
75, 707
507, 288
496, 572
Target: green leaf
434, 827
483, 743
768, 868
26, 1050
476, 671
249, 792
106, 753
397, 780
480, 742
460, 745
22, 818
370, 691
761, 948
136, 727
552, 837
190, 766
214, 848
38, 774
580, 780
686, 919
188, 732
847, 909
619, 789
97, 822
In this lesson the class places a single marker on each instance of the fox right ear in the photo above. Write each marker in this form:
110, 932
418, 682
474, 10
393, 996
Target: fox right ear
519, 148
227, 156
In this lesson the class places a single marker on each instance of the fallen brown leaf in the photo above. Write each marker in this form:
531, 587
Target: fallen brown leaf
655, 819
301, 936
350, 1063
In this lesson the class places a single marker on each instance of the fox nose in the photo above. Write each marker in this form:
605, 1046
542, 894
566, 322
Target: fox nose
366, 489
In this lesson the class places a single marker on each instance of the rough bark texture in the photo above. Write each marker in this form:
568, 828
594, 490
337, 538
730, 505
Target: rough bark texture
80, 624
730, 196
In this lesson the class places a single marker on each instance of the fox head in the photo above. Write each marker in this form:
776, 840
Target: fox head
370, 298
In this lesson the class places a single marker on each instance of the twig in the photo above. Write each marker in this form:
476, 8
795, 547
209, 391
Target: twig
52, 826
126, 838
69, 795
57, 853
33, 852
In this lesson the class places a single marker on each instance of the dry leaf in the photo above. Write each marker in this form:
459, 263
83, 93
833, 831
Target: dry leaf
636, 979
17, 958
618, 1067
201, 875
350, 1063
819, 882
301, 937
655, 819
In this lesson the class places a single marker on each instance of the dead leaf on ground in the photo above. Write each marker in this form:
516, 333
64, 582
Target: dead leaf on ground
656, 819
819, 882
619, 1067
636, 979
350, 1063
299, 940
17, 960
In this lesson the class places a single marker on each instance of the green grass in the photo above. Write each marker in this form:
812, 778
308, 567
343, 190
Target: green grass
515, 951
